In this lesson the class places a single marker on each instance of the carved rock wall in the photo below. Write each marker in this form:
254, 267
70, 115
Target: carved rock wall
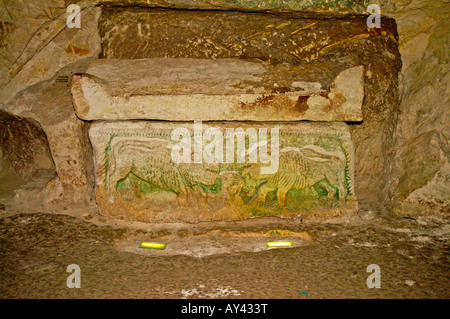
24, 155
39, 56
401, 155
316, 47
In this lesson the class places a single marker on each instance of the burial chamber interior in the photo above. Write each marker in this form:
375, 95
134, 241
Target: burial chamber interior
323, 87
153, 125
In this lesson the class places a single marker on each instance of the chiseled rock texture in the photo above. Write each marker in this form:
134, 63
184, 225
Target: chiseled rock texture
185, 89
39, 55
335, 7
295, 40
401, 147
24, 154
419, 174
36, 43
50, 103
166, 171
289, 38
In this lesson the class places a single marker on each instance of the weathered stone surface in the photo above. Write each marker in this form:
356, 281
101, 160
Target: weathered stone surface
50, 103
386, 140
133, 33
139, 177
424, 184
39, 43
224, 89
335, 7
337, 43
418, 179
24, 154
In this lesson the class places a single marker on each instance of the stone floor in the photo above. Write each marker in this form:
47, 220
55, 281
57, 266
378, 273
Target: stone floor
413, 255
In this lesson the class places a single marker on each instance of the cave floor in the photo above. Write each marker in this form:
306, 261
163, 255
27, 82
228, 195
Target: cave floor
36, 248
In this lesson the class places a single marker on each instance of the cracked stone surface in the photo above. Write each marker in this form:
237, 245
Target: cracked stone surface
150, 33
139, 175
224, 89
24, 155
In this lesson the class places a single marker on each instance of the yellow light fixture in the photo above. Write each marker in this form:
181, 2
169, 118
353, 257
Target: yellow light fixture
279, 244
149, 245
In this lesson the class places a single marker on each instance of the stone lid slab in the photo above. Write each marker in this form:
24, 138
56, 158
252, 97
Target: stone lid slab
180, 89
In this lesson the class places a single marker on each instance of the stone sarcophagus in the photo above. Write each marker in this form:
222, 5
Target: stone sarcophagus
165, 171
191, 124
234, 151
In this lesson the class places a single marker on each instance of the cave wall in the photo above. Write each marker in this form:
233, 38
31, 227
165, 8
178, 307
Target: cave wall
39, 54
402, 152
418, 179
24, 155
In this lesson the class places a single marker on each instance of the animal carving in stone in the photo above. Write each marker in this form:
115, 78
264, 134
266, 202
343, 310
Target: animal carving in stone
150, 159
301, 168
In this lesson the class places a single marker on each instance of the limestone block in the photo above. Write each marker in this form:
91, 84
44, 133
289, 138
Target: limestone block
70, 151
201, 89
192, 171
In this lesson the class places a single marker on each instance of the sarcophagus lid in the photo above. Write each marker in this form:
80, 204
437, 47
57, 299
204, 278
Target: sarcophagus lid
225, 89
